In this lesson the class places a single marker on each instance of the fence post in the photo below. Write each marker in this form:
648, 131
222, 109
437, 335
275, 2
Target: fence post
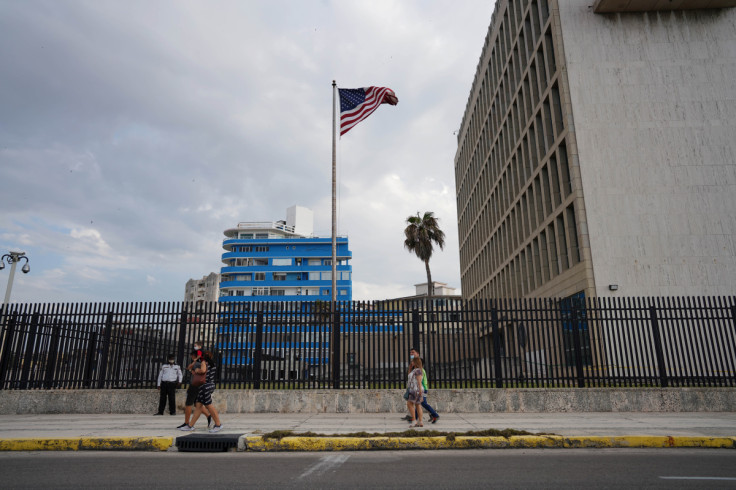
496, 332
53, 352
182, 339
91, 350
656, 337
415, 329
28, 356
105, 351
335, 348
258, 351
7, 347
577, 345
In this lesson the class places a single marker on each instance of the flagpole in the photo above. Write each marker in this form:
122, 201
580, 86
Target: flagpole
334, 197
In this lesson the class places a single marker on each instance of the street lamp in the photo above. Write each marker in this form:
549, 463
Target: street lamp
13, 258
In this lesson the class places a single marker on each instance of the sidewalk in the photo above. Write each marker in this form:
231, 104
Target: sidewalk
148, 432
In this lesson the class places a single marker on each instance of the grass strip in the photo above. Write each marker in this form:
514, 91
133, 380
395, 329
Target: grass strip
280, 434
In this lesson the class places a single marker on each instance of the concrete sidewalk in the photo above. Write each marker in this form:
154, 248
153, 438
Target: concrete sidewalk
589, 429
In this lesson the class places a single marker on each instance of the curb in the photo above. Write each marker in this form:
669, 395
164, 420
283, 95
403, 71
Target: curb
88, 444
257, 444
313, 444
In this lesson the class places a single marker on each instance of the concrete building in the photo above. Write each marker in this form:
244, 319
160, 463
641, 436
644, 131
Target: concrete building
597, 151
205, 290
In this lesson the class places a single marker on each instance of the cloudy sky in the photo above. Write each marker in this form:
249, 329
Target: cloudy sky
133, 133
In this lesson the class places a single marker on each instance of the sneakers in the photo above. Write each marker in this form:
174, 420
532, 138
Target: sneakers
216, 428
182, 425
435, 419
209, 421
186, 428
158, 414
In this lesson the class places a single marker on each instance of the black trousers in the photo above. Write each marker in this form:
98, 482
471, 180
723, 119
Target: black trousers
168, 390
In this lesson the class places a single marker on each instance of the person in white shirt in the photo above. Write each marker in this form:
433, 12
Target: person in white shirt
169, 378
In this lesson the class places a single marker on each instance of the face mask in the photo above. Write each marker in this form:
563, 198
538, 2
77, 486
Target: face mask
171, 362
411, 357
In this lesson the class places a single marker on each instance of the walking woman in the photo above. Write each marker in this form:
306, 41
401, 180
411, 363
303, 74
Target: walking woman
204, 397
414, 389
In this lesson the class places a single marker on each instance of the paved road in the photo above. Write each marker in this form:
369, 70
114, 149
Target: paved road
576, 468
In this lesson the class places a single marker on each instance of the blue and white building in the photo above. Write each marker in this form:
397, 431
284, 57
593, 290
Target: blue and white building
283, 261
279, 275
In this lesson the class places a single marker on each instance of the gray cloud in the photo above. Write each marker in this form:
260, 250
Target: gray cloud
133, 133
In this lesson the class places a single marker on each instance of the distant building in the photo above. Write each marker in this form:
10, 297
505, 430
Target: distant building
440, 289
205, 290
596, 155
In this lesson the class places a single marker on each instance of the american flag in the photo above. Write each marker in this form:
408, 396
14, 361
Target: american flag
358, 103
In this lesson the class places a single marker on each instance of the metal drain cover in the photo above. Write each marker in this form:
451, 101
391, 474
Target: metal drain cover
207, 442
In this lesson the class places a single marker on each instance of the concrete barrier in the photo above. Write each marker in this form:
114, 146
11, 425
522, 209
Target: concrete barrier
382, 401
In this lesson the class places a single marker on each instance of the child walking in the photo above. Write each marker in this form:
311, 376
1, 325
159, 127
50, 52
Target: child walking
169, 379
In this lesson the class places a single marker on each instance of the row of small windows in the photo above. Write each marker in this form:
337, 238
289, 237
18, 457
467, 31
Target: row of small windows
270, 291
297, 261
249, 248
554, 250
287, 276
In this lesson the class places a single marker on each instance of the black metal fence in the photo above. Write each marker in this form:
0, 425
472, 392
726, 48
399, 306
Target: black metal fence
573, 342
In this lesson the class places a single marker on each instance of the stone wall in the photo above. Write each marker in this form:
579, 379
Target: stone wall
382, 401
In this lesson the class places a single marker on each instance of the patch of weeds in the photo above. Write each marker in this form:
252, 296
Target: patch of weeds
451, 436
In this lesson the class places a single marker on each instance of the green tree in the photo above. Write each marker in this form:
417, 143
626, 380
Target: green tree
421, 233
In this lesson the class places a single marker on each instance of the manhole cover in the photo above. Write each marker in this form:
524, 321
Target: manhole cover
207, 442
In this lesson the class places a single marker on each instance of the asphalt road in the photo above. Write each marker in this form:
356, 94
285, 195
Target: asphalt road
539, 468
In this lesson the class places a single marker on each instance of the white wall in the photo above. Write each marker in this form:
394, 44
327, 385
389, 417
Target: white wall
654, 105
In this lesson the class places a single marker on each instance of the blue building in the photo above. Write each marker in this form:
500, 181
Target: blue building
283, 261
281, 271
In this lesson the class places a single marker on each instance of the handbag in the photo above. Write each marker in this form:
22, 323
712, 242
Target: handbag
198, 379
406, 394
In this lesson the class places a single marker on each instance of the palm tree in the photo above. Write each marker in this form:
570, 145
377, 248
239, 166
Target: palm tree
421, 232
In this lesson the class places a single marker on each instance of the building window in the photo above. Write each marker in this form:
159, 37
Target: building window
260, 276
279, 276
298, 261
262, 248
327, 262
315, 262
327, 276
281, 262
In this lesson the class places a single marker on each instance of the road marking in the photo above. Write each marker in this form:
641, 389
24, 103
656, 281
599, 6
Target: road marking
325, 463
698, 478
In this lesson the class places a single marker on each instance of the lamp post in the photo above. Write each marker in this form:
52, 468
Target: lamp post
12, 258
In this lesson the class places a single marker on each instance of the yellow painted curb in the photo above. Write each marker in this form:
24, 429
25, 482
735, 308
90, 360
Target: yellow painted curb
296, 443
88, 443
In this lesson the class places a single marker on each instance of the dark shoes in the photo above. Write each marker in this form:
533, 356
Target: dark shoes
435, 419
407, 417
158, 414
182, 425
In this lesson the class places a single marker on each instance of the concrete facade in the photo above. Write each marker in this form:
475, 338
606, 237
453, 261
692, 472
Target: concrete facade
598, 150
536, 400
654, 105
